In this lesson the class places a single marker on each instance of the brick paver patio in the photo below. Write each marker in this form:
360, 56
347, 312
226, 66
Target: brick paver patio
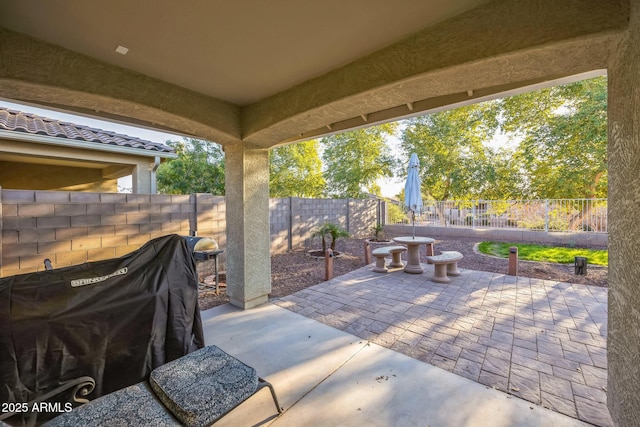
540, 340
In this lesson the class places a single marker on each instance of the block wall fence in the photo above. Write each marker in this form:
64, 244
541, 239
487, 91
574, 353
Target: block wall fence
74, 227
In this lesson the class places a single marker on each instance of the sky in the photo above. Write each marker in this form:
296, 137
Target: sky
390, 187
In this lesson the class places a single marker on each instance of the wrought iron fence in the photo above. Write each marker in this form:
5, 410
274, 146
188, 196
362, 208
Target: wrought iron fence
570, 215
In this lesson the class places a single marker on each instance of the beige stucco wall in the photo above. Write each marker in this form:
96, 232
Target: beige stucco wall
623, 389
26, 176
52, 165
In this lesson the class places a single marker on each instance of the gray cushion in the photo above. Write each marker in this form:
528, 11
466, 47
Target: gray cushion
204, 385
135, 405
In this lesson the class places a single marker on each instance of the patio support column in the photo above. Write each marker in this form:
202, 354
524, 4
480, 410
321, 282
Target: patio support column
624, 229
248, 233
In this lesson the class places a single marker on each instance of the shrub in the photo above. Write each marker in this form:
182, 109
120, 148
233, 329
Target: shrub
396, 215
332, 230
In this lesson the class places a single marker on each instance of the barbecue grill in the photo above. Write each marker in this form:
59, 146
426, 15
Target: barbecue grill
205, 249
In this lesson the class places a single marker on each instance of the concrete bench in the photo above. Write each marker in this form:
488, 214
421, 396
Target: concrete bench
381, 253
445, 265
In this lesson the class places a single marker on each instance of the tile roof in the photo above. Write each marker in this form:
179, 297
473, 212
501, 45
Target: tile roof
17, 121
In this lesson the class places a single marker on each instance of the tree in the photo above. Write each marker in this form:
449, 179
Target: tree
355, 160
199, 168
296, 171
454, 161
562, 149
563, 152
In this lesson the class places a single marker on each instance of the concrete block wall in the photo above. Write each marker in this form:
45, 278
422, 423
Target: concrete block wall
210, 217
308, 214
582, 239
363, 216
356, 216
74, 227
280, 224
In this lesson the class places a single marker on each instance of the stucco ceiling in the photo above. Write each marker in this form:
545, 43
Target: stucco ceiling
273, 72
237, 51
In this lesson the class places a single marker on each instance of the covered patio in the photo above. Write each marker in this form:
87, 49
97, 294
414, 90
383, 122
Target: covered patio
255, 75
499, 351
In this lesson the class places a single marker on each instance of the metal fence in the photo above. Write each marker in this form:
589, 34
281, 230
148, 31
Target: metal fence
569, 215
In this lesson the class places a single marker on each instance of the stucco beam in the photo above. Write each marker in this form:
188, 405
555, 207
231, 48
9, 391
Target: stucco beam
37, 72
498, 44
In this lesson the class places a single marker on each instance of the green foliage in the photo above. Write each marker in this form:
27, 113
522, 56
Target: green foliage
378, 231
563, 152
295, 170
395, 214
331, 230
199, 168
355, 160
544, 253
455, 163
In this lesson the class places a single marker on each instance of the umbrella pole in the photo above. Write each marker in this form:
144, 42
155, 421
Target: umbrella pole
413, 219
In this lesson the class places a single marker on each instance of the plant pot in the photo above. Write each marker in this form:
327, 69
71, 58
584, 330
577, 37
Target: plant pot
378, 243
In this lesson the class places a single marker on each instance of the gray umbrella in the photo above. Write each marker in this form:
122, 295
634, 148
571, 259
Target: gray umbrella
412, 195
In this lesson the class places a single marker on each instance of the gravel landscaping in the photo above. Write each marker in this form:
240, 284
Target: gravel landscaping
293, 271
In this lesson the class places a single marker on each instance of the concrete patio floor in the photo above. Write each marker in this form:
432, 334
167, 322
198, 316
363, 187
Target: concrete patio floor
355, 352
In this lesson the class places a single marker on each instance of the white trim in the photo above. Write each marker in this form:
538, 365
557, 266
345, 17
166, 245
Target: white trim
84, 145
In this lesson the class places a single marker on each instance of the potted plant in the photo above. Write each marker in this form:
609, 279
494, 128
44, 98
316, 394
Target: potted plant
378, 232
378, 241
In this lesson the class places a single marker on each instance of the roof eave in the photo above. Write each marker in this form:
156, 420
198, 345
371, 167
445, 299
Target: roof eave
83, 145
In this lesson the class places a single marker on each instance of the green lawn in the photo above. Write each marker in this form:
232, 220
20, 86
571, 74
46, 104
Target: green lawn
557, 254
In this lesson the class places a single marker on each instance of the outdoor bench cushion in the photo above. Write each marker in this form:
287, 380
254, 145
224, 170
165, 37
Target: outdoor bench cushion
204, 385
135, 405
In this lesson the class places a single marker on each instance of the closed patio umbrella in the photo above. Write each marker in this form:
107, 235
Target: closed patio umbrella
412, 196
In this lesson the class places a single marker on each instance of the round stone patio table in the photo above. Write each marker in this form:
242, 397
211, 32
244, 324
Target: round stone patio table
413, 251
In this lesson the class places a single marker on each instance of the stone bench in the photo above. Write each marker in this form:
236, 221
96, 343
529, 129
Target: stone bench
381, 253
445, 265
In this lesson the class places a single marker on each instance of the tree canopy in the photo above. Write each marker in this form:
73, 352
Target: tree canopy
199, 168
455, 163
296, 171
355, 160
561, 149
563, 152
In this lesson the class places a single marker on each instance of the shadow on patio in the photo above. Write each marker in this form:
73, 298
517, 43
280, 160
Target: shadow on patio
353, 352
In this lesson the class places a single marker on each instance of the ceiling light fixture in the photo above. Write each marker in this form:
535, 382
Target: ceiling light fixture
122, 50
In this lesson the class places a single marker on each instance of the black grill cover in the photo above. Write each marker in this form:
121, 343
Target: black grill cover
113, 320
